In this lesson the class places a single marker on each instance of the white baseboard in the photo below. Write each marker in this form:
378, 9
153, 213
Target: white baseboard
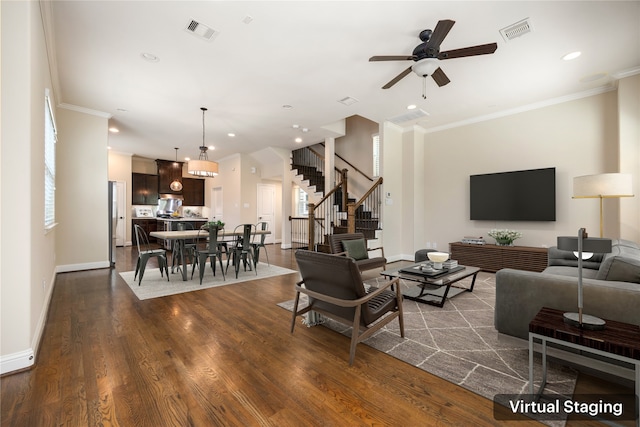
16, 361
86, 266
286, 246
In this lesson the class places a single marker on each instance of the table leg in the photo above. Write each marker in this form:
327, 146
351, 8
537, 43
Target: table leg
531, 364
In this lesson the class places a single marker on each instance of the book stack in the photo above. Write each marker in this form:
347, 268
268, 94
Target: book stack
473, 240
449, 264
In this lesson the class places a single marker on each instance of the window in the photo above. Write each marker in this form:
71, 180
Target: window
301, 201
376, 155
50, 137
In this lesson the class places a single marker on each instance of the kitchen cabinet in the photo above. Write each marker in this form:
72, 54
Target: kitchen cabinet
169, 171
193, 191
147, 224
144, 189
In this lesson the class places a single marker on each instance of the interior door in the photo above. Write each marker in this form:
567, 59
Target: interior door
216, 204
266, 208
121, 204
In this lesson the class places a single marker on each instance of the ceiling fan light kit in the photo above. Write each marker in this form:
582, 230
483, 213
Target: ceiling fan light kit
203, 167
427, 55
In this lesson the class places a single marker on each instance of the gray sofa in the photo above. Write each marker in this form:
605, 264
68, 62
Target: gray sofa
611, 288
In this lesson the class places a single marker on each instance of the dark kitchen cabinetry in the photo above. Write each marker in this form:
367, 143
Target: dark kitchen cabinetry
144, 189
147, 224
168, 172
193, 191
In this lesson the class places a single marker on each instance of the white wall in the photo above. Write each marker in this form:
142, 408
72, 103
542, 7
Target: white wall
82, 191
577, 138
629, 106
27, 254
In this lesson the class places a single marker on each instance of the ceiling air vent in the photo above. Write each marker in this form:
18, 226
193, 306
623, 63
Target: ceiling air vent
412, 115
200, 30
516, 30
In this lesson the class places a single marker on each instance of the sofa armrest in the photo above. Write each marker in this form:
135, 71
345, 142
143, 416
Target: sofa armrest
521, 294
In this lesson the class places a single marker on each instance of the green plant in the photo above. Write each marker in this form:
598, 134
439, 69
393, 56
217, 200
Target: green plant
218, 224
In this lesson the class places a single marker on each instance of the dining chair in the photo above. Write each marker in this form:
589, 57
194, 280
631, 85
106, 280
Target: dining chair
263, 226
242, 251
207, 247
145, 251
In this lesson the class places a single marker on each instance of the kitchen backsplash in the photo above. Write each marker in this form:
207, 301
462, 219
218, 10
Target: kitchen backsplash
185, 211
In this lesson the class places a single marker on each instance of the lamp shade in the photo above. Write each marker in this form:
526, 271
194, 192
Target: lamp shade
205, 168
589, 244
603, 185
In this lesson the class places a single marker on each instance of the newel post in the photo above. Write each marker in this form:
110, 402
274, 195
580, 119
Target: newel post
351, 217
345, 197
312, 224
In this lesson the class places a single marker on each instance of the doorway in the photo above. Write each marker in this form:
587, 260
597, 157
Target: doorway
216, 204
266, 208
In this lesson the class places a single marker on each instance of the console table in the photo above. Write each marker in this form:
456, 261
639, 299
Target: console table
492, 258
618, 341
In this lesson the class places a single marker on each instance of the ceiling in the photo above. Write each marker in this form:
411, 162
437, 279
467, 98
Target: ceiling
308, 56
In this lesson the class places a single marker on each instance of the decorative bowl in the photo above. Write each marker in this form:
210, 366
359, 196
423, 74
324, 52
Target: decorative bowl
438, 256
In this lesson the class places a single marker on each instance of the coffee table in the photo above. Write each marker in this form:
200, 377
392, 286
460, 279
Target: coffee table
433, 287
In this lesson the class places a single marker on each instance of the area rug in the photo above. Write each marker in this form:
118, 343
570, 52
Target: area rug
459, 344
154, 286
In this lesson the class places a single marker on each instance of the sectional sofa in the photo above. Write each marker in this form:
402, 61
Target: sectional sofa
611, 288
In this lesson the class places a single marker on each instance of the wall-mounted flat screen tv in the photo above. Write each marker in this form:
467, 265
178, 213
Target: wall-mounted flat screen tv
526, 195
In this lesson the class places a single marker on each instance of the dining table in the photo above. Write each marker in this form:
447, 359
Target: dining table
181, 236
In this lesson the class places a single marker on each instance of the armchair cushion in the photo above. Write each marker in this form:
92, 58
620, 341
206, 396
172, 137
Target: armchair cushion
356, 249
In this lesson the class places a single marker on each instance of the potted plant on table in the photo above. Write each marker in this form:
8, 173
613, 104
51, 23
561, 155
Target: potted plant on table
505, 237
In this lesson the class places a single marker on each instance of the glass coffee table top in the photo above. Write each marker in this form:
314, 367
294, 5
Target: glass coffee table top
432, 286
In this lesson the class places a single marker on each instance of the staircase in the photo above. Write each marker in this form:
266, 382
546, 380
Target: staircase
331, 212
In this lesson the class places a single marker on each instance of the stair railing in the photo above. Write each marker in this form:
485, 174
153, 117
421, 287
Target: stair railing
366, 210
324, 214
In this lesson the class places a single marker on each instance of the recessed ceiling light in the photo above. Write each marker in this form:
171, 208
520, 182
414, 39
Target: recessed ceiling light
298, 140
150, 57
411, 107
114, 129
287, 107
231, 134
211, 147
305, 130
295, 126
571, 55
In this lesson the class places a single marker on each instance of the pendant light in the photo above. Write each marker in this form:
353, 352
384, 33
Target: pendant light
176, 185
203, 166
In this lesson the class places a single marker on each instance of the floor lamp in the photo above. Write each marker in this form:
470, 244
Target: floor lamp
602, 186
583, 247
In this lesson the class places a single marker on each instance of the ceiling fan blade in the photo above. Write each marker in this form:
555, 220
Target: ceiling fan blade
392, 58
397, 78
440, 77
442, 29
482, 49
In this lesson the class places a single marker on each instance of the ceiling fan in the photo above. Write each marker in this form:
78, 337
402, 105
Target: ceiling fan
427, 56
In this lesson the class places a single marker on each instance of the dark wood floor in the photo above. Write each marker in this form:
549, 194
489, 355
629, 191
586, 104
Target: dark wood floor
217, 357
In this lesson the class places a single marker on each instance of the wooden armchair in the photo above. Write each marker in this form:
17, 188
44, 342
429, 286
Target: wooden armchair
336, 290
363, 261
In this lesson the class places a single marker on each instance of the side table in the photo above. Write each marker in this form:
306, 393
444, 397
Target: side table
618, 341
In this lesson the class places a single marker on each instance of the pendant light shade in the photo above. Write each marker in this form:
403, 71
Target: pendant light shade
176, 185
203, 166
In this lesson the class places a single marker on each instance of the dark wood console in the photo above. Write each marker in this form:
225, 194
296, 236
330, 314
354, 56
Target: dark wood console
493, 258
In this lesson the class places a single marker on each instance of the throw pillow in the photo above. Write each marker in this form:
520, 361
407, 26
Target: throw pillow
620, 269
356, 249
